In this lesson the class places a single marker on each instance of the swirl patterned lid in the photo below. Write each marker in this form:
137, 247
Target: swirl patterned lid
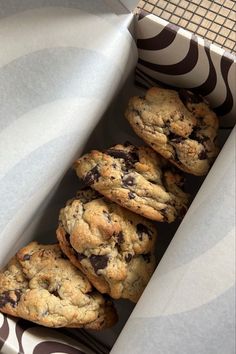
176, 58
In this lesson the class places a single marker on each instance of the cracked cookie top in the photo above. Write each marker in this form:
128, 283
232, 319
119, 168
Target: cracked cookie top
41, 285
178, 125
136, 178
111, 245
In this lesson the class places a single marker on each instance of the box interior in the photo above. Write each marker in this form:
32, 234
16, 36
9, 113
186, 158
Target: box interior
112, 128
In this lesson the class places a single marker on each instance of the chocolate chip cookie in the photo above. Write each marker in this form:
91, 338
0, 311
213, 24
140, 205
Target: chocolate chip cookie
178, 125
111, 245
136, 178
40, 284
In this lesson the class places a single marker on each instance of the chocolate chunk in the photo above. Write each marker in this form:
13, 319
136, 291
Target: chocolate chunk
117, 154
193, 135
26, 257
128, 181
128, 257
196, 136
202, 155
18, 296
147, 257
131, 195
189, 97
142, 229
134, 156
98, 262
165, 214
5, 298
55, 293
136, 112
63, 256
120, 237
80, 256
92, 176
67, 236
130, 158
175, 138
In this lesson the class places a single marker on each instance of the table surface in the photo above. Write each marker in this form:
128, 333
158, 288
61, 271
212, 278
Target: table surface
214, 20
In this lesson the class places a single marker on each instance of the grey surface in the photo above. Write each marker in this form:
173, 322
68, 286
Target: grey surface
189, 304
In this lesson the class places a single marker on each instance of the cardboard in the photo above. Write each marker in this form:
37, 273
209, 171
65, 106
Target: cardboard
66, 73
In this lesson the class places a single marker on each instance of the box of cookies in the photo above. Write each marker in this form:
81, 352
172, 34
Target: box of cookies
117, 182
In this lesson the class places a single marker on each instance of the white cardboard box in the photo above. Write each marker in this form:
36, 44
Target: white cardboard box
66, 73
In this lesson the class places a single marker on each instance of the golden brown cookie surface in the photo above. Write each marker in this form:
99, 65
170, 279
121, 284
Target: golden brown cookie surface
111, 245
178, 125
40, 285
136, 178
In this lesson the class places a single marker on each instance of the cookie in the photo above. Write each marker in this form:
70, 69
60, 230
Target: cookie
136, 178
178, 125
41, 285
111, 245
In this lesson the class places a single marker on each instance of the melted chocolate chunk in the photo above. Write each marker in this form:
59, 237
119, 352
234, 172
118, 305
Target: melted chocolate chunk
128, 181
67, 236
147, 257
130, 158
92, 176
134, 156
98, 262
202, 155
5, 298
80, 256
63, 256
193, 135
175, 138
142, 229
189, 97
26, 257
128, 257
200, 139
55, 293
117, 154
120, 237
131, 195
136, 112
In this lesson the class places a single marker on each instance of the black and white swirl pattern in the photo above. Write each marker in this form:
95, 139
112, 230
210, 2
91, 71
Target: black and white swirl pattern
24, 337
172, 57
